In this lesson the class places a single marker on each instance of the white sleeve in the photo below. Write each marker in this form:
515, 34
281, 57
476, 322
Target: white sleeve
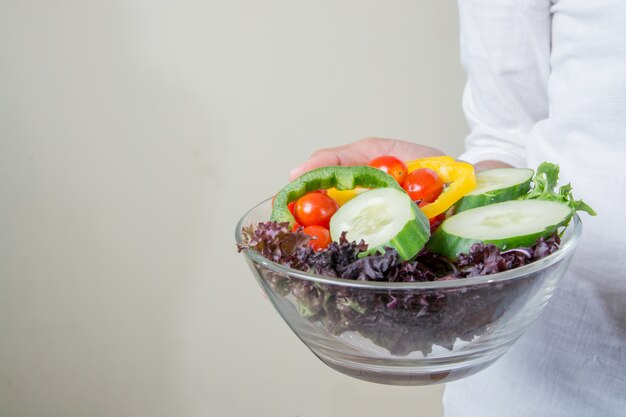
505, 50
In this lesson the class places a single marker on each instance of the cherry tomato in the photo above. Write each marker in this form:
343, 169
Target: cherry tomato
291, 205
436, 221
320, 237
392, 166
315, 209
423, 184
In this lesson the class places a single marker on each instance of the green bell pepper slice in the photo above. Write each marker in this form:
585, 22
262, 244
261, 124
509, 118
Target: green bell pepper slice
339, 177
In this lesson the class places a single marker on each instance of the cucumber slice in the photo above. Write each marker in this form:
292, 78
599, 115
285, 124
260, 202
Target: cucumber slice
383, 217
495, 186
510, 224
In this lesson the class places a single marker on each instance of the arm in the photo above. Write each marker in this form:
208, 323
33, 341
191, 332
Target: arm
505, 50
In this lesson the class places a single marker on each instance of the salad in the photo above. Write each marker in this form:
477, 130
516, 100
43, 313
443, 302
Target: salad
431, 219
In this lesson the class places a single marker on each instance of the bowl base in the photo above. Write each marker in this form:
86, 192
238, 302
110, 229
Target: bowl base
391, 376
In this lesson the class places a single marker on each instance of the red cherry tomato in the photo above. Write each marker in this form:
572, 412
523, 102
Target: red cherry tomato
291, 205
436, 221
320, 237
423, 184
392, 166
315, 209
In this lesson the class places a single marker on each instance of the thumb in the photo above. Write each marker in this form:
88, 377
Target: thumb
317, 160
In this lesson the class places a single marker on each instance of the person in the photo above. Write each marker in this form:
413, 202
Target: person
546, 81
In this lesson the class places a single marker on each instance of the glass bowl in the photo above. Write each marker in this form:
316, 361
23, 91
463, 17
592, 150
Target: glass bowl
442, 331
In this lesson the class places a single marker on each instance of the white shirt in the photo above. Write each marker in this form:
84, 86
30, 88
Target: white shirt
547, 82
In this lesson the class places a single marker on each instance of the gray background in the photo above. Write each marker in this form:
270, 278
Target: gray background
133, 134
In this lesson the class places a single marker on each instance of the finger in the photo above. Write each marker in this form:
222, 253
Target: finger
362, 152
409, 151
341, 155
318, 159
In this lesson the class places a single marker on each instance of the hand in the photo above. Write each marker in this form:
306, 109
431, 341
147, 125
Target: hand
490, 164
362, 152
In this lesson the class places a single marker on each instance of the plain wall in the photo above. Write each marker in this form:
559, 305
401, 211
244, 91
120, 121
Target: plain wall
133, 135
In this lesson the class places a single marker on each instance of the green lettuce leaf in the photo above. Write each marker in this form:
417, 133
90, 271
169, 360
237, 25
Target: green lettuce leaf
545, 182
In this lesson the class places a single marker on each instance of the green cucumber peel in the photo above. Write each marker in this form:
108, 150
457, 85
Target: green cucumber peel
545, 182
495, 186
508, 225
339, 177
409, 241
382, 218
452, 245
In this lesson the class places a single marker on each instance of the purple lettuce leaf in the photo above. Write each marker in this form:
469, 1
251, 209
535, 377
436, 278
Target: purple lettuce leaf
398, 320
277, 243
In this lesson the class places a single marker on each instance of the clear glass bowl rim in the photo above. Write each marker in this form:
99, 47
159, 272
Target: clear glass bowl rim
567, 245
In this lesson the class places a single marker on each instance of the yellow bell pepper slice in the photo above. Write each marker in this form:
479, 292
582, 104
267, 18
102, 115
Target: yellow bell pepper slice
343, 196
459, 177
